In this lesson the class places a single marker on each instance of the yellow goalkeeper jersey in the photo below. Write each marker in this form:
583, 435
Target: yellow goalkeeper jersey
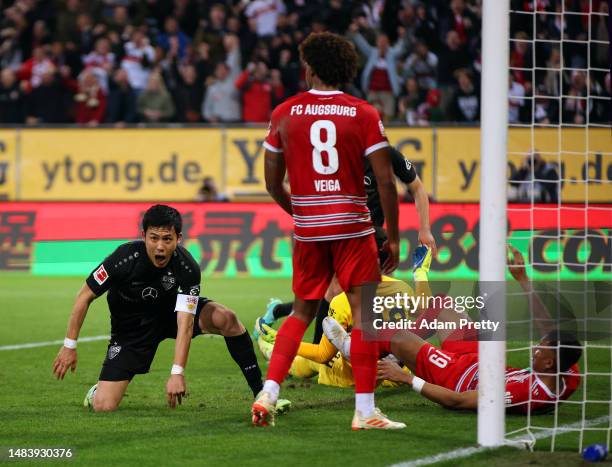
334, 369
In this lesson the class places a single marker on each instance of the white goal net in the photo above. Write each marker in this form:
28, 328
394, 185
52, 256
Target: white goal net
560, 166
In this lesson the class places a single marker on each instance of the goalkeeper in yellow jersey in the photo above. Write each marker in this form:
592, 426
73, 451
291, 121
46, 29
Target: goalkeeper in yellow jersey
324, 359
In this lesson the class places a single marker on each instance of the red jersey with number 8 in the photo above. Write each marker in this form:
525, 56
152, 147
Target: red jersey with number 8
324, 136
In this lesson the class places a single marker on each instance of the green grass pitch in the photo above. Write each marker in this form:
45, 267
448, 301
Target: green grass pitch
212, 426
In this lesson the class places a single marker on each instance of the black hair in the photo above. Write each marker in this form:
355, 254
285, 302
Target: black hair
161, 215
331, 57
568, 347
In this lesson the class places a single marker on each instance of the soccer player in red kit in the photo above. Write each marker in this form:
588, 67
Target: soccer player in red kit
320, 138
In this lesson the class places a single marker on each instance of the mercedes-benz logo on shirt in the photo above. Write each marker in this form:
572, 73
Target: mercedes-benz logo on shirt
149, 293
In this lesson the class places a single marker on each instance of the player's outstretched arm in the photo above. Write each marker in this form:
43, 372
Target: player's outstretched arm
541, 315
176, 387
322, 352
421, 201
67, 356
274, 171
467, 400
383, 171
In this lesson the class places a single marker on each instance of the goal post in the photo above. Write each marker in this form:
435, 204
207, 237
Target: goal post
492, 247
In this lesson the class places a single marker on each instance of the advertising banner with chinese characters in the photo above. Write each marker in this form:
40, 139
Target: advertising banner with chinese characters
254, 239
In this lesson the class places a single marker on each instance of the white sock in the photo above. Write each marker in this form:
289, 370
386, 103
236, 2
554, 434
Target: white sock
273, 388
364, 403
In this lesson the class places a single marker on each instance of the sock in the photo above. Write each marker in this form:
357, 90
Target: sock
286, 345
364, 402
321, 315
241, 349
272, 387
282, 310
364, 355
428, 315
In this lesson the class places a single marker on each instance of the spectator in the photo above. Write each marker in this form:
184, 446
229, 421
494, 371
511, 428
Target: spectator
460, 19
202, 62
33, 69
536, 180
379, 78
290, 71
520, 57
551, 80
431, 110
258, 92
599, 32
516, 99
188, 94
101, 62
40, 34
85, 36
454, 56
48, 101
154, 103
212, 31
173, 34
14, 29
265, 14
121, 100
423, 65
208, 192
10, 51
66, 26
575, 104
600, 102
120, 20
12, 99
222, 101
138, 60
465, 106
409, 102
91, 100
426, 28
546, 111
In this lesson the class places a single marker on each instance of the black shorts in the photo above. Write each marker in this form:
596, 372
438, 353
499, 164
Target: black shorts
122, 363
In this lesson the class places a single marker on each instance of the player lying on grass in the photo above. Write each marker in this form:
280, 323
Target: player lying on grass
324, 359
449, 375
153, 293
404, 170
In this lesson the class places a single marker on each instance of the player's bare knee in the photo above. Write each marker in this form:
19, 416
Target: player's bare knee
104, 405
227, 322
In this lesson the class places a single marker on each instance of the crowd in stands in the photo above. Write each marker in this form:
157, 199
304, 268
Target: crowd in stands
187, 61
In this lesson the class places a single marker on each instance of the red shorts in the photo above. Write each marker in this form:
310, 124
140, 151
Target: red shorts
354, 260
451, 367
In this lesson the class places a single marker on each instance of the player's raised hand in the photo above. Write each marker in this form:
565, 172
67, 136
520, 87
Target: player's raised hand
392, 248
175, 390
516, 264
427, 239
66, 360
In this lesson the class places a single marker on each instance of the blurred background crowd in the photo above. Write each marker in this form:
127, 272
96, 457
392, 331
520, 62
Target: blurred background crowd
187, 61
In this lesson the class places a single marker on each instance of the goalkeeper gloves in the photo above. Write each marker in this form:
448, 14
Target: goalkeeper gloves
421, 259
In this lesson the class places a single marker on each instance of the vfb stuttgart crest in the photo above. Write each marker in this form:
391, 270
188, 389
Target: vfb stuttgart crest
168, 282
113, 351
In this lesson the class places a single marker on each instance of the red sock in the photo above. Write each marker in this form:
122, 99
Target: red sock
364, 356
384, 341
285, 348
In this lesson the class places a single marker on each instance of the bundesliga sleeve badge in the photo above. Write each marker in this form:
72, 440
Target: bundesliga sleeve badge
100, 275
